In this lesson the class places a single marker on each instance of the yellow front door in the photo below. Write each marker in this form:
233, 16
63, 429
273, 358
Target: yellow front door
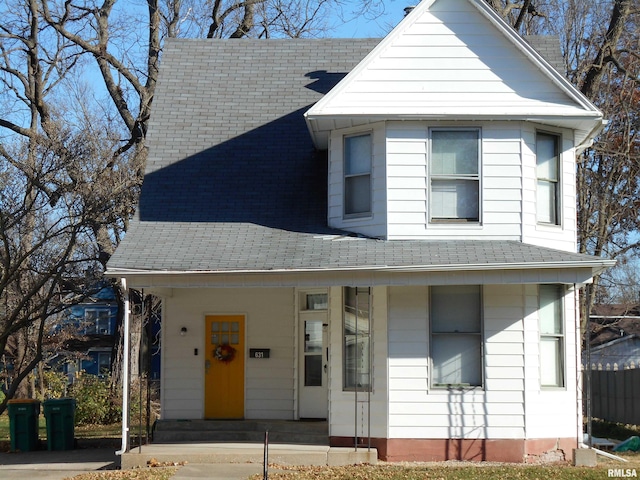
224, 366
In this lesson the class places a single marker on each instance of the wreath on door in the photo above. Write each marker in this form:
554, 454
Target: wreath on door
224, 352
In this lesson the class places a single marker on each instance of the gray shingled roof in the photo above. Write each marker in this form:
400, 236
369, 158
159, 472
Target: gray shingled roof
233, 182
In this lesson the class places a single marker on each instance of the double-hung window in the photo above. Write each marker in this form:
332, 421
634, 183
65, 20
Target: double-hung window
456, 336
357, 175
357, 339
548, 178
454, 175
551, 335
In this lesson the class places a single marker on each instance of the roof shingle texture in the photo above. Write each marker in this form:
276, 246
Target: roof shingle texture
233, 182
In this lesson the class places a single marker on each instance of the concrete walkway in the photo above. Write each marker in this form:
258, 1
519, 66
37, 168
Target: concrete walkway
56, 465
227, 461
245, 453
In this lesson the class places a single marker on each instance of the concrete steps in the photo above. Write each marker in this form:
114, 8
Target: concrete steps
242, 442
237, 431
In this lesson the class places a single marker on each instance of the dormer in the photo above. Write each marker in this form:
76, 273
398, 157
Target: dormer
454, 127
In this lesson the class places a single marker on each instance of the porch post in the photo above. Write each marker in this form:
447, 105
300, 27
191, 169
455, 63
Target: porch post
125, 372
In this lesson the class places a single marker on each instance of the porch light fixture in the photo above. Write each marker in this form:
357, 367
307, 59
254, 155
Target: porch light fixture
183, 331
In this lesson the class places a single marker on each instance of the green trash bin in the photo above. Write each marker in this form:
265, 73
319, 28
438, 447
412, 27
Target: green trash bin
23, 424
60, 416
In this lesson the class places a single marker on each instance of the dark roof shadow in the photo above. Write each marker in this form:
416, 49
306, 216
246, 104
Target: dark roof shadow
270, 176
324, 81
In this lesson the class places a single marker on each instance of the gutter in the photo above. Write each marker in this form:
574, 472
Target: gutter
600, 265
589, 139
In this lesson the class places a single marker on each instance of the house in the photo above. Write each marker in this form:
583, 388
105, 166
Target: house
381, 234
615, 337
83, 342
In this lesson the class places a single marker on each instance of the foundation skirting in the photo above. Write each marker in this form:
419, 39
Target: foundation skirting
480, 450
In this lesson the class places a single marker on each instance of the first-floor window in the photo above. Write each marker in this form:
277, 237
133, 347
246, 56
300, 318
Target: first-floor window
551, 317
357, 338
456, 336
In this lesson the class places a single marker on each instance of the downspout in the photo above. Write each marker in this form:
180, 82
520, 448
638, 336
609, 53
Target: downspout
125, 372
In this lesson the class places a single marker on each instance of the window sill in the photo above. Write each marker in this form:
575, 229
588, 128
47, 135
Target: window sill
548, 226
357, 217
459, 225
445, 389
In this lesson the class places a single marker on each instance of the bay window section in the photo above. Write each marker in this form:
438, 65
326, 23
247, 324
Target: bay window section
548, 178
357, 339
454, 175
550, 313
357, 175
456, 336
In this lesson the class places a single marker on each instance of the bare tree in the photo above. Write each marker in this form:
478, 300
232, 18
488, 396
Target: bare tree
71, 163
600, 48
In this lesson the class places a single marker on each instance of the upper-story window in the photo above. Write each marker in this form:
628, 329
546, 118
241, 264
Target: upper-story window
357, 175
548, 178
454, 175
98, 321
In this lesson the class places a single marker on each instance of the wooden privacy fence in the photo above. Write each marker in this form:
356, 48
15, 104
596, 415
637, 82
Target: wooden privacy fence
615, 392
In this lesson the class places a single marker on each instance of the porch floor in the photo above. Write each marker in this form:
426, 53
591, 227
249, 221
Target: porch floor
215, 453
242, 441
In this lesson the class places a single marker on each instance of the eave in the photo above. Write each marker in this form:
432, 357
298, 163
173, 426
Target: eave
586, 126
571, 272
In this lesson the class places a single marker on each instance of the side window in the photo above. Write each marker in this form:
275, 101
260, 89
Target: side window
548, 178
551, 317
357, 175
357, 339
454, 175
456, 336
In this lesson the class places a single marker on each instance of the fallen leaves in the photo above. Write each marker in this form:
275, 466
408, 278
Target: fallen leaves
155, 463
136, 474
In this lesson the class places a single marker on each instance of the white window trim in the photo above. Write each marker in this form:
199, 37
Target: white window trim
562, 337
560, 187
445, 388
453, 223
359, 215
349, 388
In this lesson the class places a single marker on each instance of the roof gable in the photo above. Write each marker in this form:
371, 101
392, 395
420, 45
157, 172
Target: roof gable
453, 59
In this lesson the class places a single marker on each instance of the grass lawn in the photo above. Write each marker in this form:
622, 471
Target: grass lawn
433, 471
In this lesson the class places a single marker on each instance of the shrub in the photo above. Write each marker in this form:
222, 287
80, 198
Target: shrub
54, 383
94, 401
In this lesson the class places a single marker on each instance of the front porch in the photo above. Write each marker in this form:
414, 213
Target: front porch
242, 441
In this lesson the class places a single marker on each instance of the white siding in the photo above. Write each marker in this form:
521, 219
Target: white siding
449, 60
270, 323
551, 412
508, 186
563, 236
373, 225
343, 419
416, 411
408, 184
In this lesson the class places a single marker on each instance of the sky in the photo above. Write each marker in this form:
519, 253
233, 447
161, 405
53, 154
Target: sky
387, 15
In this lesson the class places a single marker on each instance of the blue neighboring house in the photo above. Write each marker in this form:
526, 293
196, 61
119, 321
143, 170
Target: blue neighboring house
95, 320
